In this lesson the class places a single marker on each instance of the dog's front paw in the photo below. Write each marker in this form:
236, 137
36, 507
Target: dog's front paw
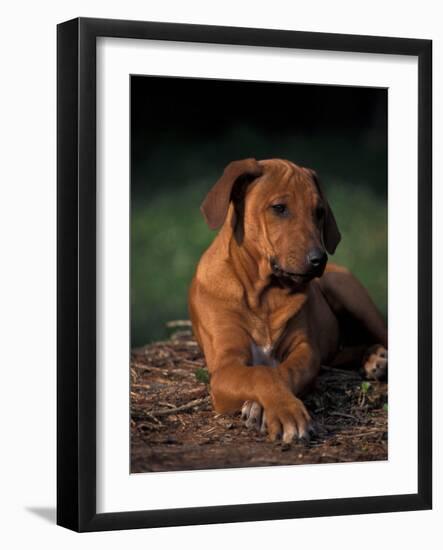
288, 419
375, 364
253, 415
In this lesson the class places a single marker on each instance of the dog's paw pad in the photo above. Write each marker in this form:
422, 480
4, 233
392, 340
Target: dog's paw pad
375, 364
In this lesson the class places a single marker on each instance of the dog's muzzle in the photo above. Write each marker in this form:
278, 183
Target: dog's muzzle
316, 262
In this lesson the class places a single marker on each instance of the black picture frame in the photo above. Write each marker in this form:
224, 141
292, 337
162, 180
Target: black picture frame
76, 279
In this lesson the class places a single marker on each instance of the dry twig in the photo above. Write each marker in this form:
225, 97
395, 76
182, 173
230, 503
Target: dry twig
164, 412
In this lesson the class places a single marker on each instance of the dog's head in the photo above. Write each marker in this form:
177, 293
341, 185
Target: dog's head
280, 212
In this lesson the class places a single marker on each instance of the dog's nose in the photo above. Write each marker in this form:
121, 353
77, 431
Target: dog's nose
317, 258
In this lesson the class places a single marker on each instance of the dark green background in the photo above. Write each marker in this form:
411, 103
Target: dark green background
183, 133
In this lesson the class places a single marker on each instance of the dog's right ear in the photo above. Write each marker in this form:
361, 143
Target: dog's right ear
215, 206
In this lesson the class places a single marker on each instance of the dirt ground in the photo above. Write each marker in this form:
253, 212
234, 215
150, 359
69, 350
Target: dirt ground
173, 425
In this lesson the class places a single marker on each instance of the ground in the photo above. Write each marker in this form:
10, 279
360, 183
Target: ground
174, 427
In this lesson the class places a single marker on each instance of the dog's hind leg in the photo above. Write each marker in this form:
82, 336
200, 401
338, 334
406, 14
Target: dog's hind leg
366, 333
346, 294
372, 360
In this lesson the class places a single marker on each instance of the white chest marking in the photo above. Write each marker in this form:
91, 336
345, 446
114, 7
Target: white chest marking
262, 355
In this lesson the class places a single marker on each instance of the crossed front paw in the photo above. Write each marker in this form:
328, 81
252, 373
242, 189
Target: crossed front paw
254, 416
288, 419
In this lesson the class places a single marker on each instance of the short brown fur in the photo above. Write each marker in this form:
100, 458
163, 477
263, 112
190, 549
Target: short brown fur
253, 287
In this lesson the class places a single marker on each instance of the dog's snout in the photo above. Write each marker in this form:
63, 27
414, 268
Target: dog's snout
317, 258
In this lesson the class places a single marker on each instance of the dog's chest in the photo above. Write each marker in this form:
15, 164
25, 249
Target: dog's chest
262, 355
268, 327
264, 343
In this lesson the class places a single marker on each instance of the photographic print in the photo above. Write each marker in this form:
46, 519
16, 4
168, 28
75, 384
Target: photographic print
258, 274
222, 274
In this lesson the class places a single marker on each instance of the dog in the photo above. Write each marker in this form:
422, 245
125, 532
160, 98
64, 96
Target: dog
267, 308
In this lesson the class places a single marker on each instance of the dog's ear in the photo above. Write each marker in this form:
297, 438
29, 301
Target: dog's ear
331, 233
215, 206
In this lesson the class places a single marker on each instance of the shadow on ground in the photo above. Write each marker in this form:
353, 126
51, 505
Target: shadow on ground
47, 513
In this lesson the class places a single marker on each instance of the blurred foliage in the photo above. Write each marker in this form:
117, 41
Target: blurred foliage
168, 234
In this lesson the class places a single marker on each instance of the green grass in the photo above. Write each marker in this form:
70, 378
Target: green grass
168, 234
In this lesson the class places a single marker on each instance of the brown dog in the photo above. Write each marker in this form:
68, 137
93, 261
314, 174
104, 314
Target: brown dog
263, 297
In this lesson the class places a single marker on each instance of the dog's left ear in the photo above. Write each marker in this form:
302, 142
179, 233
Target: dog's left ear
331, 234
215, 206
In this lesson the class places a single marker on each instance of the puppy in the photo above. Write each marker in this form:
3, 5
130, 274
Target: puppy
266, 308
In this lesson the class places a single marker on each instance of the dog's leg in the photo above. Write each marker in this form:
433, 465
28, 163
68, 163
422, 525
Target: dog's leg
347, 295
349, 357
252, 412
275, 391
372, 360
345, 292
298, 371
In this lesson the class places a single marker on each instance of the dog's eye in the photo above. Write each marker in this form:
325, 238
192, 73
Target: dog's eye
280, 209
319, 213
